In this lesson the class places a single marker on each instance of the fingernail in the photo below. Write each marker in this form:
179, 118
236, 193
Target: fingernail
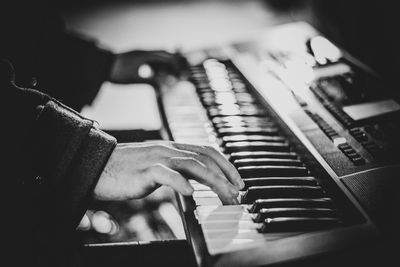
235, 201
189, 190
234, 191
240, 184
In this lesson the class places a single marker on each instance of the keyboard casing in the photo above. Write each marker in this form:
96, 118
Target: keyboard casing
352, 186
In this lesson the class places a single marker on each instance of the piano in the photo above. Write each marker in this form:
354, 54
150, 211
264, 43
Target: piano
312, 132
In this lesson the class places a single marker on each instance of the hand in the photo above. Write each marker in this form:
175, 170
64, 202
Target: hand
135, 170
125, 68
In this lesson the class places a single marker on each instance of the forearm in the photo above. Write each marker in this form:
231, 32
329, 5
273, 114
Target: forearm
50, 142
71, 153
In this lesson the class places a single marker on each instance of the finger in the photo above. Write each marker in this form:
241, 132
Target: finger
176, 57
194, 169
228, 169
161, 67
205, 159
164, 61
163, 175
210, 163
168, 151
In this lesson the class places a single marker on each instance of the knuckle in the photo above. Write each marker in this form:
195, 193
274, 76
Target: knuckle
156, 169
183, 162
196, 163
175, 162
190, 162
215, 180
171, 143
161, 148
217, 185
205, 159
211, 149
220, 178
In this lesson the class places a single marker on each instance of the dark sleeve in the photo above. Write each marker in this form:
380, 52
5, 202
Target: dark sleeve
70, 153
55, 156
71, 67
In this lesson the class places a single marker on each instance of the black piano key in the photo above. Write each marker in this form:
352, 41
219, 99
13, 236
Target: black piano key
262, 154
246, 119
269, 171
324, 202
231, 147
214, 112
202, 84
266, 162
205, 91
249, 182
250, 107
245, 97
242, 137
248, 131
294, 212
239, 87
281, 191
243, 124
296, 224
199, 75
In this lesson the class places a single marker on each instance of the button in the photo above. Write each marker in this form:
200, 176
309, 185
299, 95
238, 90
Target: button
361, 137
354, 131
339, 140
344, 146
353, 155
347, 149
358, 160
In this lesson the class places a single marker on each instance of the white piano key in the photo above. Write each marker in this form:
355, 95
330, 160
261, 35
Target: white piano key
191, 133
231, 225
222, 209
207, 201
191, 124
233, 216
202, 194
191, 140
201, 187
218, 246
232, 234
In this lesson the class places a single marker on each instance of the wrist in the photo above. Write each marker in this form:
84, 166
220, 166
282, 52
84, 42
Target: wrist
113, 66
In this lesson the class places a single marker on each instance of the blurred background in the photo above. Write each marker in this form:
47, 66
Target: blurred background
179, 25
189, 25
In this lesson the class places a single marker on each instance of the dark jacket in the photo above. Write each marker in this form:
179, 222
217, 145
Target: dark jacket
52, 156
